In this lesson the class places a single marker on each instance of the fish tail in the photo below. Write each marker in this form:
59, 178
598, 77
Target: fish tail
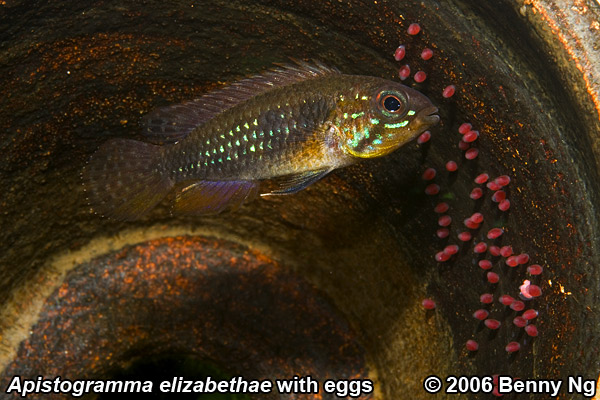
124, 179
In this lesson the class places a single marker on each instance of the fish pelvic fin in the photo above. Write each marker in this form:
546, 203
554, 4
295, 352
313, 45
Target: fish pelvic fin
212, 197
123, 179
294, 183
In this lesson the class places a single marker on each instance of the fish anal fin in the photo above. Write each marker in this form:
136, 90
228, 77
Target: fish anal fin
289, 184
212, 197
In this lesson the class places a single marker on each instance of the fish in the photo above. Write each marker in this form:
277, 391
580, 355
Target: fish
271, 134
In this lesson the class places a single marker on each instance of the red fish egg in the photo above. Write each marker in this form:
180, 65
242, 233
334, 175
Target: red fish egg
400, 53
463, 145
464, 236
476, 194
404, 72
531, 330
535, 269
482, 178
498, 196
432, 189
426, 54
420, 76
464, 128
470, 224
507, 300
472, 345
442, 233
517, 305
451, 249
480, 247
534, 291
494, 250
485, 264
495, 233
470, 136
523, 258
451, 166
529, 291
512, 261
471, 154
414, 29
520, 322
524, 288
481, 314
492, 323
477, 218
444, 220
512, 347
506, 251
493, 277
493, 186
428, 304
504, 205
424, 137
441, 208
429, 174
486, 298
502, 180
530, 314
449, 91
441, 256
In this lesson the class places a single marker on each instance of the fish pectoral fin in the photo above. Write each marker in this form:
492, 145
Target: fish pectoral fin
212, 197
293, 183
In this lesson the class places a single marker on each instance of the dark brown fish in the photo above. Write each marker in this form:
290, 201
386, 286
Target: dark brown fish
291, 125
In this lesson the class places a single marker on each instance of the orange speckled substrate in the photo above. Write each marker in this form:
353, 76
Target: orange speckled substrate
209, 298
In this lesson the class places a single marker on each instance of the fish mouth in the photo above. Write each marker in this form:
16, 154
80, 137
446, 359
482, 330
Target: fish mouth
427, 117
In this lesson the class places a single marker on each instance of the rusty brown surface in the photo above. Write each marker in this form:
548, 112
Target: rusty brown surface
208, 298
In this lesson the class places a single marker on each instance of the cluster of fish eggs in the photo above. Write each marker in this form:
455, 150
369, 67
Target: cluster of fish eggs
468, 235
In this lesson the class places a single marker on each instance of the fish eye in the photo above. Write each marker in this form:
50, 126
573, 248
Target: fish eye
392, 103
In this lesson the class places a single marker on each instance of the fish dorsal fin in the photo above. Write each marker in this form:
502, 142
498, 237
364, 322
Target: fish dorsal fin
172, 123
212, 197
293, 183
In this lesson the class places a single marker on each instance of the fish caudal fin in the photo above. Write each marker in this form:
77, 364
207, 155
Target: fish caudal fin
123, 179
212, 197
